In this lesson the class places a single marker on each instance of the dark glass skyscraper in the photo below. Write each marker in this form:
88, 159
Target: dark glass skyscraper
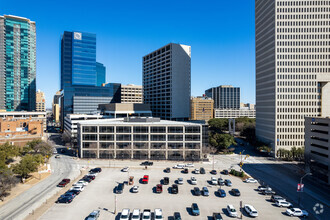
100, 74
17, 63
80, 92
225, 97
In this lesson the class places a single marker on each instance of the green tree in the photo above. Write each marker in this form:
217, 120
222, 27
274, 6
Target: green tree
27, 165
218, 124
221, 141
7, 181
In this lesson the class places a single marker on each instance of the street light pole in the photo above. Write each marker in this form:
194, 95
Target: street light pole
301, 179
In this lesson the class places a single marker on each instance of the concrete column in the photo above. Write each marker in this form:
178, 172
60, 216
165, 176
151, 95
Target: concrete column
115, 142
325, 100
166, 145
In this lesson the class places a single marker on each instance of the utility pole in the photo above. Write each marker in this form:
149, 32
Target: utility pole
115, 204
301, 188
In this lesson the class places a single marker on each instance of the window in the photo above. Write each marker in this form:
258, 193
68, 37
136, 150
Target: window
158, 129
106, 137
123, 137
175, 129
192, 138
107, 145
89, 129
106, 129
158, 137
89, 137
140, 137
122, 129
190, 129
175, 145
140, 129
175, 138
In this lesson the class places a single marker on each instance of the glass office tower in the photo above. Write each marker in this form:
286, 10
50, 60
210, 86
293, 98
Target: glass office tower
80, 92
100, 74
17, 63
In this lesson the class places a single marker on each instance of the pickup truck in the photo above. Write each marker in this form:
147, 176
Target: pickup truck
296, 212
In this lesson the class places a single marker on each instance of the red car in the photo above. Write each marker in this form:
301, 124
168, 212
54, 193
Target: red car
63, 183
145, 179
159, 188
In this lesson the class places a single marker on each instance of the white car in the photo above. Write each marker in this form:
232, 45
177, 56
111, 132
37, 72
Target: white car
180, 181
196, 171
82, 182
178, 166
125, 169
135, 214
135, 189
250, 180
214, 181
251, 210
283, 203
146, 215
296, 212
193, 181
78, 184
92, 174
189, 165
80, 188
124, 214
232, 211
158, 214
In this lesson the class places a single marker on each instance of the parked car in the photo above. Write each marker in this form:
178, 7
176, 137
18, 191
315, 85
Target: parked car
197, 191
69, 193
145, 179
262, 188
158, 214
274, 198
78, 184
228, 182
83, 182
221, 182
136, 214
92, 177
177, 216
80, 188
159, 188
268, 192
297, 212
213, 172
77, 192
251, 211
235, 192
202, 170
231, 211
189, 165
94, 215
174, 189
167, 170
120, 188
222, 193
146, 215
205, 191
193, 180
217, 216
131, 180
147, 163
226, 172
66, 180
96, 170
178, 166
214, 181
135, 189
180, 181
196, 171
62, 184
166, 180
283, 203
64, 199
88, 180
57, 156
124, 215
125, 169
185, 171
195, 209
250, 180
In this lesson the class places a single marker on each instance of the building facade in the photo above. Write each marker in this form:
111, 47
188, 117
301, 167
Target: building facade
292, 68
122, 110
201, 108
225, 97
40, 101
17, 63
167, 80
317, 147
234, 113
80, 93
140, 138
56, 106
100, 74
131, 94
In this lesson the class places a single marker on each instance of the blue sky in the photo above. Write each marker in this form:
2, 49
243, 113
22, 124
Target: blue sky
220, 33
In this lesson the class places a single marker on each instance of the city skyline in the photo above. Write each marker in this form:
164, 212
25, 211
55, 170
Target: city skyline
223, 52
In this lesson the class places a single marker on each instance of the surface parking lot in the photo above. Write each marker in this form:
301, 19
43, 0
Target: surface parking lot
99, 194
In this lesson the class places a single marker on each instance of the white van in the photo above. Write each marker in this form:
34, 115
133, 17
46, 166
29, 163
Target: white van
251, 210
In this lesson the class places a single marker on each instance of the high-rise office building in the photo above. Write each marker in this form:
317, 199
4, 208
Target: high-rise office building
292, 68
225, 97
100, 74
80, 92
166, 81
56, 107
131, 94
40, 101
201, 108
17, 63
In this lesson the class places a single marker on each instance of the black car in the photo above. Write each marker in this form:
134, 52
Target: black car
166, 181
177, 216
175, 189
197, 191
120, 188
65, 199
147, 163
213, 172
226, 172
96, 170
75, 191
167, 170
202, 170
217, 216
87, 179
185, 170
235, 192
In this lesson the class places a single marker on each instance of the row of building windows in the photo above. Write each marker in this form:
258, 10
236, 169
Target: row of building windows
303, 10
302, 43
301, 23
137, 145
302, 49
296, 83
305, 56
157, 53
302, 3
290, 123
290, 143
303, 70
295, 116
305, 16
295, 103
297, 110
302, 37
141, 129
299, 90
